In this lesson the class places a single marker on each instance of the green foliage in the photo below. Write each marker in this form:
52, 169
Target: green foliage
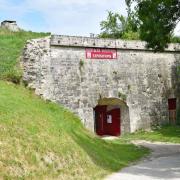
163, 134
157, 21
81, 63
13, 75
11, 46
122, 96
175, 39
40, 140
117, 26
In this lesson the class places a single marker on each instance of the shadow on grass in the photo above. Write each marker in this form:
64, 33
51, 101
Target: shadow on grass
110, 155
170, 131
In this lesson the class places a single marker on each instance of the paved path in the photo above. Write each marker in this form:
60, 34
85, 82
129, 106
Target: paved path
162, 164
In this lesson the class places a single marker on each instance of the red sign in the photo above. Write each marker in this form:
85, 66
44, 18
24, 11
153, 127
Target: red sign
97, 53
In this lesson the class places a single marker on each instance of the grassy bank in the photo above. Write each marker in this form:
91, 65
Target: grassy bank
164, 134
11, 45
40, 140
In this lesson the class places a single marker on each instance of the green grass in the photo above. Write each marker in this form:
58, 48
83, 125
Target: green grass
11, 45
164, 134
40, 140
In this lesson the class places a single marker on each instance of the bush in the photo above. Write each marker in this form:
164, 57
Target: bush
14, 76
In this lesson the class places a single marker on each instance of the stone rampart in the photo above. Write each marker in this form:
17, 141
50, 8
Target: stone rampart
58, 69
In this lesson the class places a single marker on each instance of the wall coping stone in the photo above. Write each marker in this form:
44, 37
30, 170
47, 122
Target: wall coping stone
79, 41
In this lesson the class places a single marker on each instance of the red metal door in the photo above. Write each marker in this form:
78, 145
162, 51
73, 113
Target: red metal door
112, 126
100, 116
172, 110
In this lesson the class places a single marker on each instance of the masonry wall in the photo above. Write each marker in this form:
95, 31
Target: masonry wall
58, 70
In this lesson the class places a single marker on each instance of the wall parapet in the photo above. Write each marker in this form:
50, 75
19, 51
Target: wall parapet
79, 41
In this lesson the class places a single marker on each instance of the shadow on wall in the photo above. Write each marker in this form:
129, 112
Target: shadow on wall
176, 83
158, 117
159, 109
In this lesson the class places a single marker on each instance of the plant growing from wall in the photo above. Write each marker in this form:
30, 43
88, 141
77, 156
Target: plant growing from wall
100, 96
129, 87
122, 96
115, 72
81, 64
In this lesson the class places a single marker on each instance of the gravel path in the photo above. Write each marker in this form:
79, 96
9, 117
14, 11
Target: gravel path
162, 164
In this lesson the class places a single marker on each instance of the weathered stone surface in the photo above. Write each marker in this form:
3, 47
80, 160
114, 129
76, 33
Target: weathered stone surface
53, 67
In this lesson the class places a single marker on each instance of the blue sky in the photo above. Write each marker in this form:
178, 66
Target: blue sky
70, 17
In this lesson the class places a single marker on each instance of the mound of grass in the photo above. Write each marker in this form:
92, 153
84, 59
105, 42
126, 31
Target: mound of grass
164, 134
11, 45
40, 140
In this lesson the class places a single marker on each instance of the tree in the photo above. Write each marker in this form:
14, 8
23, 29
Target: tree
117, 26
157, 21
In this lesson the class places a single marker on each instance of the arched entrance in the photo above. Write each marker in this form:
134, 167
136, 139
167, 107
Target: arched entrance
108, 116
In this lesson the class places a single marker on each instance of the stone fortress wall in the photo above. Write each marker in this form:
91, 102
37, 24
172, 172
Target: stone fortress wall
58, 69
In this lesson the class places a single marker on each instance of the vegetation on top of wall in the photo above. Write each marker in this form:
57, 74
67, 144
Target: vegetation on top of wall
157, 20
11, 46
117, 26
136, 25
175, 39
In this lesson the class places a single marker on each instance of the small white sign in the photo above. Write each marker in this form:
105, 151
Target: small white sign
109, 119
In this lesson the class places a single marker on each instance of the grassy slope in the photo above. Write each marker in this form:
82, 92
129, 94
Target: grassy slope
42, 140
11, 45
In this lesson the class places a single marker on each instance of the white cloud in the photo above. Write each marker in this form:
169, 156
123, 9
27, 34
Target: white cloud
79, 17
74, 16
46, 3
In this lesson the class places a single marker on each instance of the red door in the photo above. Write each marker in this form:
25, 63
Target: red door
113, 122
172, 110
100, 116
107, 123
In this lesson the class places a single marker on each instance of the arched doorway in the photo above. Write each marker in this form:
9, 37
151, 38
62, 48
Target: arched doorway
108, 116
